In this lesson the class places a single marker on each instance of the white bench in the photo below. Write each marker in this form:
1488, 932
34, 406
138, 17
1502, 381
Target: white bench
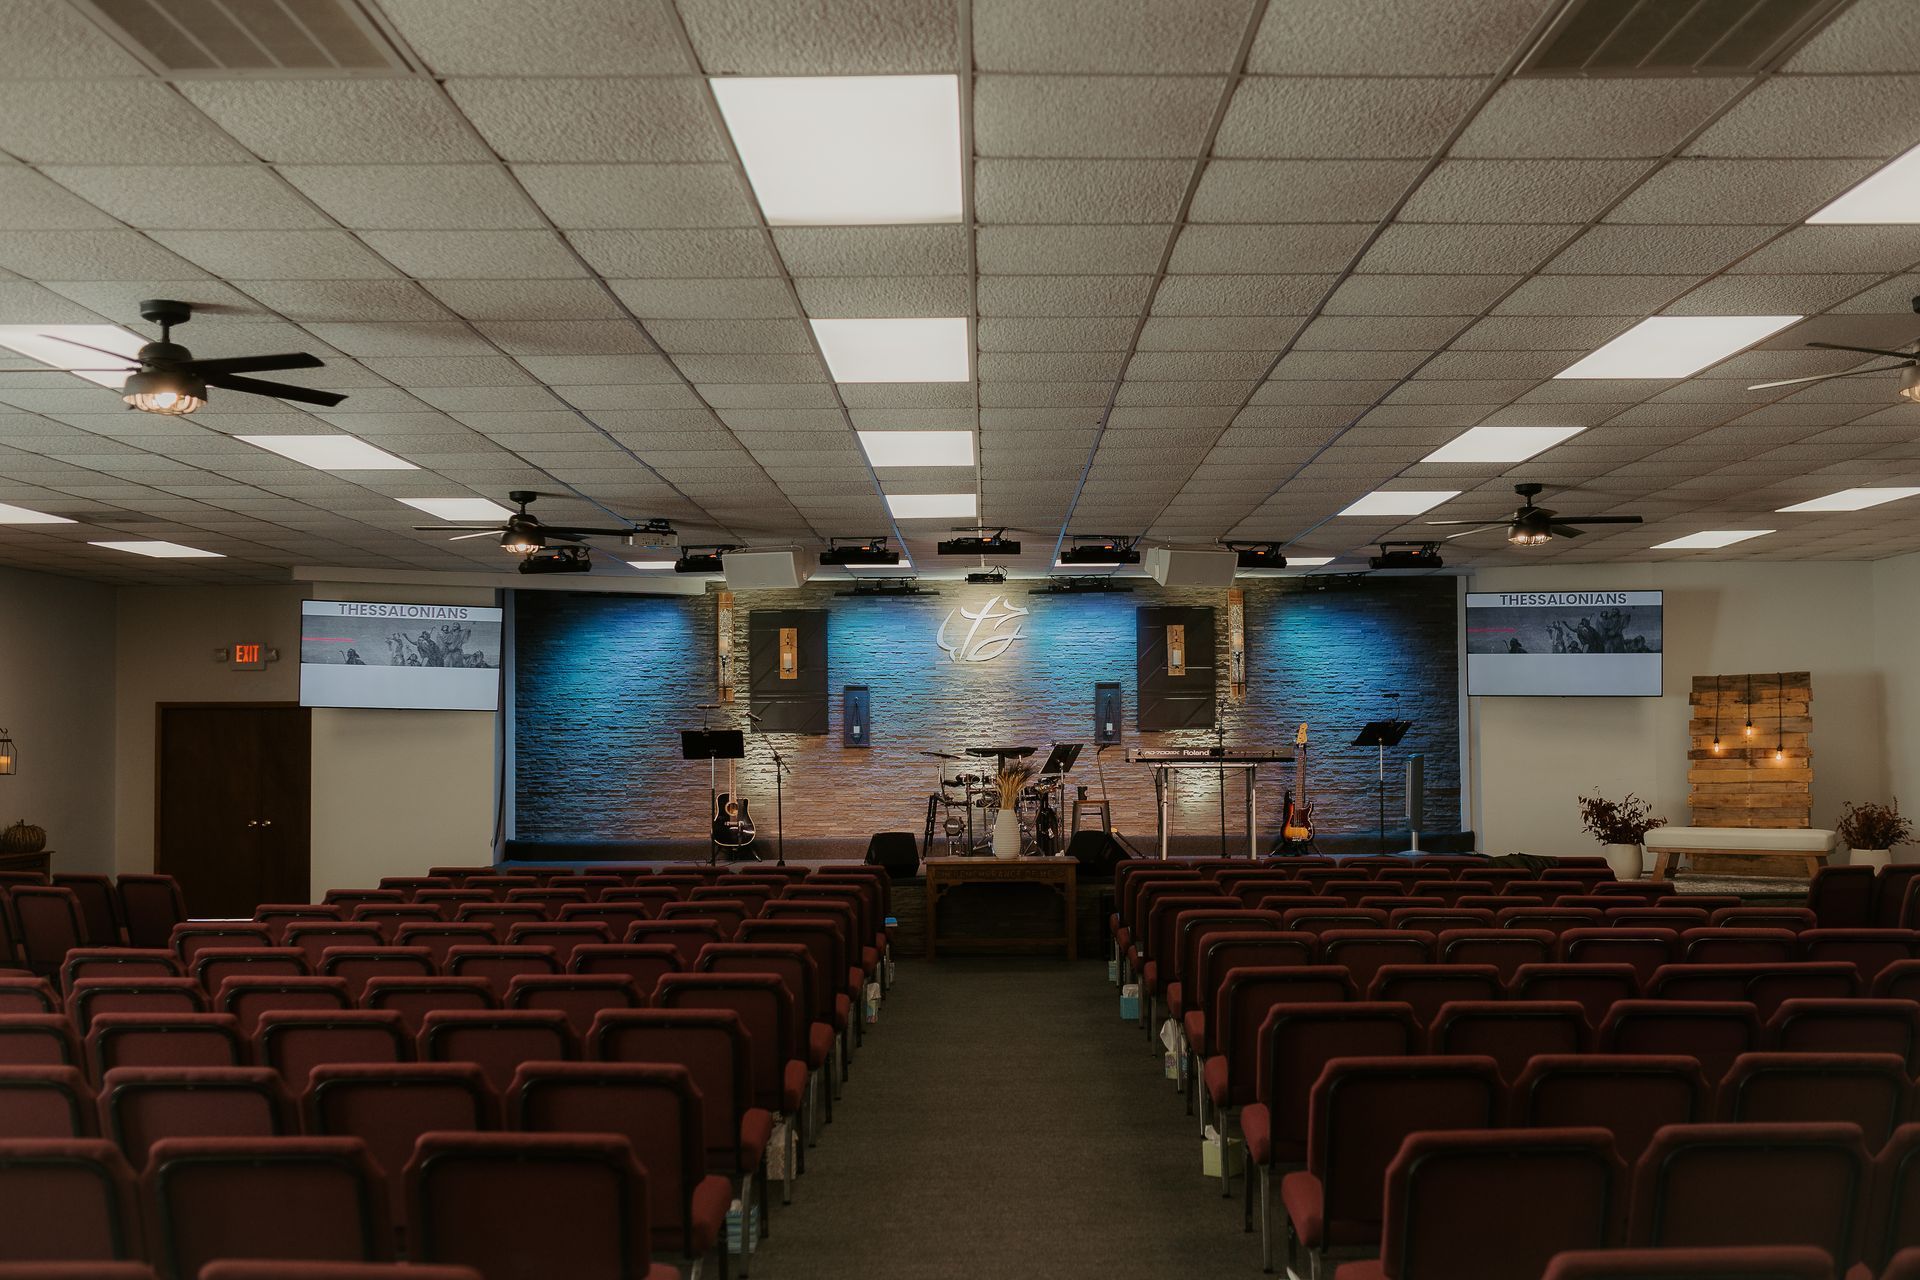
1811, 844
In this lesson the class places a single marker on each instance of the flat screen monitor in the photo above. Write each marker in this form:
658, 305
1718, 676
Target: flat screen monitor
363, 653
1563, 644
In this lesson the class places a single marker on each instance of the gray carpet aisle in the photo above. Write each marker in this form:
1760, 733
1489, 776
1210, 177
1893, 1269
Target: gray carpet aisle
1003, 1122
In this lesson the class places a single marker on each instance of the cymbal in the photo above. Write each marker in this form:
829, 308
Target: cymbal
1003, 752
941, 755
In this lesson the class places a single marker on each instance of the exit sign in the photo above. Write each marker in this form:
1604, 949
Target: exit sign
249, 656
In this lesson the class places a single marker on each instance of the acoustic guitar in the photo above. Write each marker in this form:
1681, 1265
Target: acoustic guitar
1297, 829
732, 824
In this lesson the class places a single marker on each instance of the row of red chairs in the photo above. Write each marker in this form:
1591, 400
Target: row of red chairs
1723, 1262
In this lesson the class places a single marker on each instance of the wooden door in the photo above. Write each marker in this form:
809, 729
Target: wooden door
233, 798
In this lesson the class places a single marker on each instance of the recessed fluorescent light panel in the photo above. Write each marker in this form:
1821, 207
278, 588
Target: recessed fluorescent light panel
1852, 500
1308, 562
847, 150
932, 506
10, 514
1889, 195
1501, 444
1397, 502
469, 509
932, 350
651, 564
1675, 346
160, 550
330, 453
39, 342
918, 448
1710, 539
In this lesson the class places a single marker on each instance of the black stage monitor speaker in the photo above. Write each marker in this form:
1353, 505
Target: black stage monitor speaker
1097, 852
897, 851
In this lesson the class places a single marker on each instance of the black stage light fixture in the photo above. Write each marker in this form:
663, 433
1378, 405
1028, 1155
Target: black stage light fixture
1076, 584
1258, 555
892, 585
1408, 555
1100, 549
566, 558
701, 559
987, 576
866, 551
979, 540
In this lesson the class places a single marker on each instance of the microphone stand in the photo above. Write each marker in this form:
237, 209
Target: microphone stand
1220, 746
779, 817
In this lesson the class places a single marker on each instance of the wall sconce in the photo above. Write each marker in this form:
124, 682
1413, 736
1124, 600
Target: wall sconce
9, 754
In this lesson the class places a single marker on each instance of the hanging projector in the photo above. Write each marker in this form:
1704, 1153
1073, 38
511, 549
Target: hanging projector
700, 559
1408, 555
1258, 555
1100, 550
568, 557
867, 551
974, 543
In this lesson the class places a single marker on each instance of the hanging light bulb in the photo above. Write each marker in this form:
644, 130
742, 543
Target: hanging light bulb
521, 542
161, 392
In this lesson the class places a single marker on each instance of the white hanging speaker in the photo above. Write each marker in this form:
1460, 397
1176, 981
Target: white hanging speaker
1191, 567
764, 570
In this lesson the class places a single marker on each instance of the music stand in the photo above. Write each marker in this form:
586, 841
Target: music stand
1382, 734
713, 746
1061, 758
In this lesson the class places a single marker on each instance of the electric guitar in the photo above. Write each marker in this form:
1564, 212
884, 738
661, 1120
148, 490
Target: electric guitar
1297, 829
732, 824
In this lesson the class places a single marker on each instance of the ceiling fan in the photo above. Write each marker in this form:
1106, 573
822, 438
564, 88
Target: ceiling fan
525, 534
1533, 526
165, 377
1908, 364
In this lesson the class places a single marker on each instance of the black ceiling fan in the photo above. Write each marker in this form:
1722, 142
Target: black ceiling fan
1533, 526
165, 378
524, 533
1908, 365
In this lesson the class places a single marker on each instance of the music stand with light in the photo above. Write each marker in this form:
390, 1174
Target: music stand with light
713, 746
1382, 734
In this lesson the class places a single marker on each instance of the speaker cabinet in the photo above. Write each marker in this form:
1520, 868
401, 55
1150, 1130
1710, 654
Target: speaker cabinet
774, 570
1097, 852
1416, 802
1107, 712
1200, 567
856, 716
895, 852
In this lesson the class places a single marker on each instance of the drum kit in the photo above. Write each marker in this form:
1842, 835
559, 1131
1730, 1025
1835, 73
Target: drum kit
961, 809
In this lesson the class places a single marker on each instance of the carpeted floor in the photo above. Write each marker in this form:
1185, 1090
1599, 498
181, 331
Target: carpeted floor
1003, 1122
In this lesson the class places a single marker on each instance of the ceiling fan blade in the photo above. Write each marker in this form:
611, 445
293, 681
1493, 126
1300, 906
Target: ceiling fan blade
1872, 351
127, 368
278, 390
1600, 520
576, 532
1824, 377
1449, 522
1466, 533
481, 534
117, 355
256, 364
1559, 530
459, 528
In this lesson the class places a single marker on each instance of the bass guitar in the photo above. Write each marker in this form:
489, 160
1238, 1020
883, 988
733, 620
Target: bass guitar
1296, 832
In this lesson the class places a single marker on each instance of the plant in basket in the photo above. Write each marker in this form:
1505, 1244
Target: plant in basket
1873, 826
1618, 821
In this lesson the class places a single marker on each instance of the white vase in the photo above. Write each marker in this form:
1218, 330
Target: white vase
1625, 859
1006, 835
1870, 857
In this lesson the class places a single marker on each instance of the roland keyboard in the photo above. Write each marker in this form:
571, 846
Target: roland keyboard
1205, 755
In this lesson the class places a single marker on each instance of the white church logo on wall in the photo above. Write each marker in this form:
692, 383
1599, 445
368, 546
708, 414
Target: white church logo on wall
988, 631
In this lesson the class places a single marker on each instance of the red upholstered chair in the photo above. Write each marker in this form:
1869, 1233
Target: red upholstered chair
118, 962
165, 1040
151, 906
1232, 1047
547, 899
648, 897
1351, 891
1555, 920
27, 995
1893, 1218
295, 1041
50, 925
411, 886
1437, 920
686, 937
1505, 949
357, 966
415, 998
616, 916
1320, 919
1865, 1089
211, 968
1712, 1032
1426, 987
1751, 1184
531, 1206
1221, 952
46, 1102
1191, 929
1364, 952
70, 1200
1720, 944
825, 939
502, 884
387, 917
497, 1040
1440, 1184
1632, 1096
1797, 919
141, 1105
1778, 1262
1644, 949
1510, 1032
1594, 987
1549, 892
38, 1040
1869, 950
247, 998
440, 936
770, 1019
315, 936
641, 961
500, 917
1493, 878
592, 885
315, 1199
351, 900
1495, 902
78, 1271
580, 997
1843, 897
1360, 1111
1898, 981
388, 1106
277, 916
500, 965
188, 940
1847, 1026
1251, 886
91, 997
1765, 986
449, 901
1665, 916
99, 907
656, 1108
562, 937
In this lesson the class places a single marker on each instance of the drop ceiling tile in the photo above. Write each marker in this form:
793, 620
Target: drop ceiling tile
1418, 295
1299, 247
1162, 393
1413, 249
487, 371
706, 299
1541, 333
1817, 116
667, 254
1093, 116
605, 196
1320, 365
815, 394
587, 120
906, 395
704, 337
1079, 191
476, 255
504, 37
284, 255
567, 337
1300, 190
526, 299
1050, 334
870, 251
1593, 295
90, 255
824, 297
1778, 191
1836, 249
86, 122
476, 197
23, 303
115, 298
1384, 37
1378, 333
1564, 117
1238, 295
1332, 391
1325, 117
1158, 37
1756, 295
598, 370
1868, 35
1520, 190
1043, 395
1063, 295
1217, 333
30, 201
1669, 250
1197, 366
319, 121
799, 37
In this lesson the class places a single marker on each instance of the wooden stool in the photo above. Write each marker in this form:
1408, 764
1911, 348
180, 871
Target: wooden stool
1089, 810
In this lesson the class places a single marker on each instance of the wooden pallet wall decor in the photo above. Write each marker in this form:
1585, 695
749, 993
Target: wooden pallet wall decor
1762, 779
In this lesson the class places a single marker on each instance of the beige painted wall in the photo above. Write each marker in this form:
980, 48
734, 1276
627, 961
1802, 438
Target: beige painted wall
1896, 638
56, 703
1531, 757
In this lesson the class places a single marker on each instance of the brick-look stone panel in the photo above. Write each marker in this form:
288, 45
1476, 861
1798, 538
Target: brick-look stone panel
604, 684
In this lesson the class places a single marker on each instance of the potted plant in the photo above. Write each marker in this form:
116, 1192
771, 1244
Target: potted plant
1871, 831
1620, 826
1012, 779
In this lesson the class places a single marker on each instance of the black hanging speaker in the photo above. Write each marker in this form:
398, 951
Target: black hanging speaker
897, 851
1097, 852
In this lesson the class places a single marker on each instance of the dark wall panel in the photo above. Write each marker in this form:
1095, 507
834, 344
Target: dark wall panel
788, 705
1168, 701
